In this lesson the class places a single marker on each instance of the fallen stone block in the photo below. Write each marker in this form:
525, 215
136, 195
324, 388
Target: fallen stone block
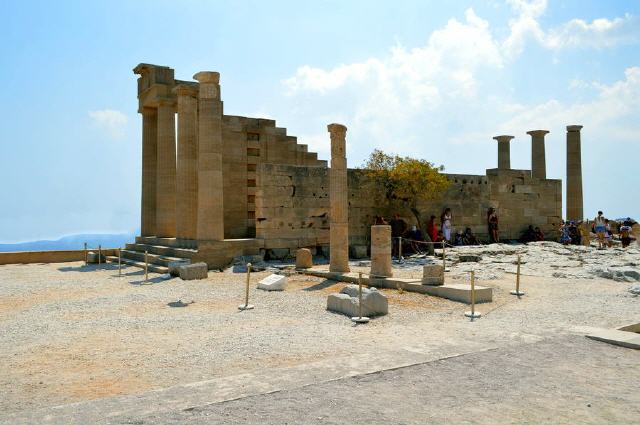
92, 257
174, 267
304, 259
193, 271
374, 303
274, 282
433, 274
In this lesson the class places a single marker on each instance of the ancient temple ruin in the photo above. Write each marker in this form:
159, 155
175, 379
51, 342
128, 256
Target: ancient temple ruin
222, 185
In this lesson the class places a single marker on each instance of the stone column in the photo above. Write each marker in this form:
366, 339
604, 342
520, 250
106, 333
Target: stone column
149, 171
339, 199
504, 152
574, 173
210, 202
538, 158
187, 178
166, 174
381, 250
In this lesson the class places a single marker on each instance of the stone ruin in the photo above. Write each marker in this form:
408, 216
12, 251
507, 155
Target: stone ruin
224, 186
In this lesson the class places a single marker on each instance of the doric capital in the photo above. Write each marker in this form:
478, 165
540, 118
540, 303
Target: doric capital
574, 127
207, 77
537, 133
503, 138
337, 130
147, 112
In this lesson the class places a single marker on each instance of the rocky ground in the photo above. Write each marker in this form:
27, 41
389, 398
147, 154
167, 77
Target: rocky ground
73, 333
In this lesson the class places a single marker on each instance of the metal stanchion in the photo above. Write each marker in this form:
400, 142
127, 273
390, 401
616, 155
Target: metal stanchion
473, 314
400, 249
119, 263
99, 254
518, 292
146, 266
246, 305
85, 254
444, 255
360, 318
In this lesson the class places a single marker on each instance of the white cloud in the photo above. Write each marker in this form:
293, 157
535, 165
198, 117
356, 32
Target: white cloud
112, 121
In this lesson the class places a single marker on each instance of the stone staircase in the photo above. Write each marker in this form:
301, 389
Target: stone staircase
160, 252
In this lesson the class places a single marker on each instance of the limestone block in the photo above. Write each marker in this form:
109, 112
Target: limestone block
358, 251
274, 282
174, 267
304, 259
374, 303
193, 271
92, 257
433, 274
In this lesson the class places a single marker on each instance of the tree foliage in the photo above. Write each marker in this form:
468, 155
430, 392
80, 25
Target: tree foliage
406, 182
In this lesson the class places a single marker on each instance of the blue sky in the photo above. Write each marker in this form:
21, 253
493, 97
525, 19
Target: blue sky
420, 78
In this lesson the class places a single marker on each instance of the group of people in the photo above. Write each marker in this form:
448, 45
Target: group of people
413, 237
579, 233
532, 235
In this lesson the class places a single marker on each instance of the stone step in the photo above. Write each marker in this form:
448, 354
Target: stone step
161, 260
155, 268
162, 250
169, 242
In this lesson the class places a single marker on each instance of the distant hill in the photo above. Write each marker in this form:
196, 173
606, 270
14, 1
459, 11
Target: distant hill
71, 242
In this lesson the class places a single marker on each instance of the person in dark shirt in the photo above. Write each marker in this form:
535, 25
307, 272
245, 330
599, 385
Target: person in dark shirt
470, 238
414, 235
539, 235
398, 228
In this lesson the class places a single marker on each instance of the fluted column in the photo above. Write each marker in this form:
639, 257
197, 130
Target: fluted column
338, 194
166, 174
187, 168
504, 152
210, 222
149, 171
574, 173
538, 158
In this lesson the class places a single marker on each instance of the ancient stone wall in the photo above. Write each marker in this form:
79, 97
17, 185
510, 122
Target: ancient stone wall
292, 205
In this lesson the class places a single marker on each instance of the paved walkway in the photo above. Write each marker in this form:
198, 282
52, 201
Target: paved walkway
562, 380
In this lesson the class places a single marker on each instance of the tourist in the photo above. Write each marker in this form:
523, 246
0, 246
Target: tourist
398, 228
492, 222
539, 235
414, 236
600, 228
608, 233
625, 234
470, 238
529, 235
432, 229
445, 219
565, 239
379, 221
574, 234
459, 239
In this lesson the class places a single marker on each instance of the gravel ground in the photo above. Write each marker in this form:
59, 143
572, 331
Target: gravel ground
70, 332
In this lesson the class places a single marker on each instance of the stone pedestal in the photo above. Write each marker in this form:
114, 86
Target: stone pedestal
149, 171
381, 251
574, 173
338, 194
187, 168
166, 171
210, 197
538, 158
504, 152
304, 259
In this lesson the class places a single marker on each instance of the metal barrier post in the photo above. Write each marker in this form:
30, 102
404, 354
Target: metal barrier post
400, 249
85, 254
472, 314
517, 292
99, 254
360, 318
146, 266
119, 263
246, 305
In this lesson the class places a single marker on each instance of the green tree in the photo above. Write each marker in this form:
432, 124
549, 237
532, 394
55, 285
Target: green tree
406, 182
